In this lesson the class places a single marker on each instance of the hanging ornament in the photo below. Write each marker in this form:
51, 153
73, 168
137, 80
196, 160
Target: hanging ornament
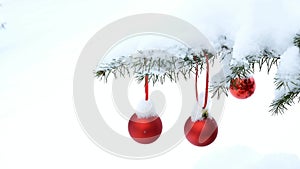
201, 132
145, 130
145, 125
242, 88
201, 129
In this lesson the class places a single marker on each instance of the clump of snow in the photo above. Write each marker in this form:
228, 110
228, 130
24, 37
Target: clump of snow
289, 64
155, 54
289, 71
197, 112
269, 25
223, 46
144, 42
198, 108
145, 109
219, 79
253, 25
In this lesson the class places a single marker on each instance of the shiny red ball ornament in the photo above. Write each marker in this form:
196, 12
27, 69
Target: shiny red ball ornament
201, 132
144, 130
242, 88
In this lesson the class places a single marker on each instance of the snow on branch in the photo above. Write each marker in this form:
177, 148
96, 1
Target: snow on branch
234, 68
287, 80
158, 64
280, 104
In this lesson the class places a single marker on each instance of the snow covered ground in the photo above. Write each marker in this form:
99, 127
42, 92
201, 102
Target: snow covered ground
38, 52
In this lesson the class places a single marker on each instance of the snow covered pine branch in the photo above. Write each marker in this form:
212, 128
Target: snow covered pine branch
160, 64
287, 79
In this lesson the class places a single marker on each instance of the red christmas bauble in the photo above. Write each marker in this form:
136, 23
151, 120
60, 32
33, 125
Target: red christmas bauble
144, 130
242, 88
201, 132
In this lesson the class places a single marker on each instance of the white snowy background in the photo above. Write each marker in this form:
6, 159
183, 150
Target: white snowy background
40, 47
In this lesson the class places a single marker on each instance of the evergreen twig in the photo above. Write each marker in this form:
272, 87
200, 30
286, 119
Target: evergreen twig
279, 105
158, 69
